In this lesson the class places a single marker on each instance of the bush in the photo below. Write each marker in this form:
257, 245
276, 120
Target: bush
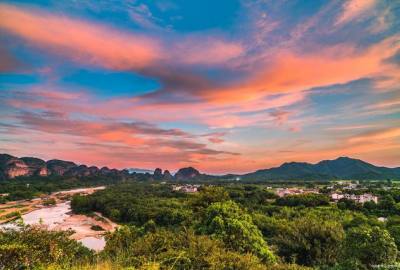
227, 222
96, 228
129, 246
307, 200
365, 246
48, 202
310, 241
33, 247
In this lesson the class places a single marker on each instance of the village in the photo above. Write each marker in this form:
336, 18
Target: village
340, 190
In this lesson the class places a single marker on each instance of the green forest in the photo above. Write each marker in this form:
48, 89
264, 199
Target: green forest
226, 226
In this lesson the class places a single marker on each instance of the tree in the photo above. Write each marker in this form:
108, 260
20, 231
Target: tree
34, 247
209, 195
366, 246
310, 241
49, 201
228, 222
387, 203
308, 200
371, 205
395, 233
80, 204
175, 250
344, 204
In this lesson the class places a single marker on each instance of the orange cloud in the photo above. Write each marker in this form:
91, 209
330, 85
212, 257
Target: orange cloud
385, 104
93, 43
376, 135
290, 72
284, 71
80, 40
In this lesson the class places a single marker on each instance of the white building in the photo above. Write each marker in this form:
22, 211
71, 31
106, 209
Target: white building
186, 188
351, 186
281, 192
357, 198
337, 196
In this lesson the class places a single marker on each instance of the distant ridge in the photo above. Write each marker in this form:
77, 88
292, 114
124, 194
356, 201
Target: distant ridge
340, 168
11, 167
139, 170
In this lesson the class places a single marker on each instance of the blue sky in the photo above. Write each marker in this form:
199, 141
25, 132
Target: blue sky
225, 86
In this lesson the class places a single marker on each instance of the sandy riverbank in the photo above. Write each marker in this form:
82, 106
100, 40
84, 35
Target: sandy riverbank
89, 230
9, 210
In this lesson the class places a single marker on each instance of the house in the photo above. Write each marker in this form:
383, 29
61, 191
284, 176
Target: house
357, 198
367, 198
351, 186
186, 188
336, 196
281, 192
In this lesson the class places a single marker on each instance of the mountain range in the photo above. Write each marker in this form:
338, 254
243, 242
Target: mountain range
340, 168
11, 167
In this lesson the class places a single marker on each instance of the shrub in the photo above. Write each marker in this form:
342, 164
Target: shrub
33, 247
228, 222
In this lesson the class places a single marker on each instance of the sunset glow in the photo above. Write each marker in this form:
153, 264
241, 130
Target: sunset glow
241, 86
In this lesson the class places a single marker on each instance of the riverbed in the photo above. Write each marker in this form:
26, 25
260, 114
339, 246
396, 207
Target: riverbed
60, 217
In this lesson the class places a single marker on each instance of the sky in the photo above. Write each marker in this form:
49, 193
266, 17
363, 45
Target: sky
225, 86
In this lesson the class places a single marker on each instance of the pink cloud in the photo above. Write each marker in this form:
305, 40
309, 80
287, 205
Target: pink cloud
291, 72
206, 50
374, 136
354, 9
98, 44
80, 40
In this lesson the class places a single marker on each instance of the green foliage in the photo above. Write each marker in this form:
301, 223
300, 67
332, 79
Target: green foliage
15, 214
129, 246
3, 199
220, 227
23, 194
349, 205
365, 246
387, 203
80, 204
137, 204
96, 228
31, 247
228, 222
395, 233
310, 241
308, 200
209, 195
250, 195
50, 201
28, 187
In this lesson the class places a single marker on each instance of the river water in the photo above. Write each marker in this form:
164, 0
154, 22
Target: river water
54, 217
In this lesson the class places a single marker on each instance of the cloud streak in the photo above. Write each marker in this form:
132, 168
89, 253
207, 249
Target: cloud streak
262, 91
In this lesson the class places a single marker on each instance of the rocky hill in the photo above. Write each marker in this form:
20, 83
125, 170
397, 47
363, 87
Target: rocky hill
187, 173
11, 167
340, 168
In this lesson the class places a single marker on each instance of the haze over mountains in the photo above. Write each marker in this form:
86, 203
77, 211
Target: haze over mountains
340, 168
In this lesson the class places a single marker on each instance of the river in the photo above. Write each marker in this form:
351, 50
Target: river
60, 217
